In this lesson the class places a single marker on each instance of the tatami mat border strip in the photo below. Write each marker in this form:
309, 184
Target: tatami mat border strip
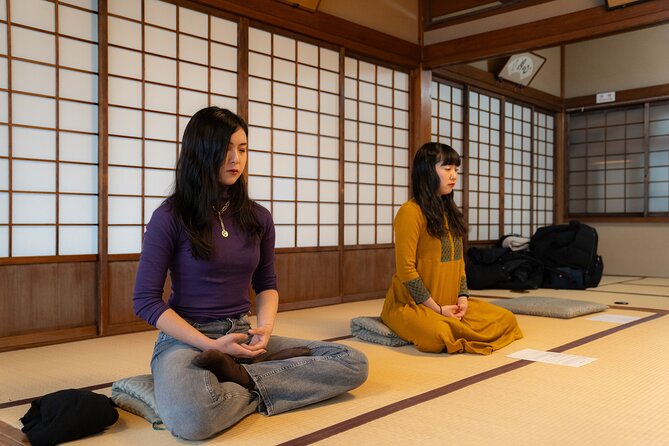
632, 280
339, 338
28, 400
634, 283
449, 388
610, 331
626, 280
627, 293
381, 412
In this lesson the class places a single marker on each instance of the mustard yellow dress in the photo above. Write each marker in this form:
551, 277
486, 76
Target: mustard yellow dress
429, 267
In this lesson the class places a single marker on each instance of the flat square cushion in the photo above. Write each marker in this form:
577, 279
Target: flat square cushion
550, 306
135, 395
372, 329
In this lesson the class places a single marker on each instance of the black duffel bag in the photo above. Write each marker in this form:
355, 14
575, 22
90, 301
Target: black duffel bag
502, 268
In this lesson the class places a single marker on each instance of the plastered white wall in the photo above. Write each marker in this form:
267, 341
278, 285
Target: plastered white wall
626, 61
399, 18
634, 249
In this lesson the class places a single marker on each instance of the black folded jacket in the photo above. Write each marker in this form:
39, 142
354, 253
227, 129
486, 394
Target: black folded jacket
67, 415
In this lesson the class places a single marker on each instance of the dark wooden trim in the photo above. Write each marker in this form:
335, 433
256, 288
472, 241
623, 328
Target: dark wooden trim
309, 303
437, 8
307, 249
102, 299
326, 27
560, 168
422, 21
583, 25
654, 93
618, 219
47, 337
342, 165
203, 7
128, 327
242, 71
122, 257
420, 120
10, 119
473, 76
646, 163
47, 259
365, 296
367, 247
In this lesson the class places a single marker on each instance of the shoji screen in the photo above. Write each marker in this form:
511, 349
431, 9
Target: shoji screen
448, 124
165, 63
48, 128
484, 166
658, 158
376, 169
517, 169
294, 137
543, 168
619, 160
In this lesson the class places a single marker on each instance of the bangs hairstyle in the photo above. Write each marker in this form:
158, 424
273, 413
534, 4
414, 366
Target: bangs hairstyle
438, 209
448, 156
197, 189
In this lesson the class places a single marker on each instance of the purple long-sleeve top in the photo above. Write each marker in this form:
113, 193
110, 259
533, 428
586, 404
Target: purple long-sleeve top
202, 290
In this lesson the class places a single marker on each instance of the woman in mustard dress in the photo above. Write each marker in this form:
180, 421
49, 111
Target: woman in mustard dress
428, 301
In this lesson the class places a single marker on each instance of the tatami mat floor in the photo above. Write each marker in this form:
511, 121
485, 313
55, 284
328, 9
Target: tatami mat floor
622, 398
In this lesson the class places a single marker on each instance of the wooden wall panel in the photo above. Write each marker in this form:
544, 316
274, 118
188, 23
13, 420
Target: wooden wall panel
43, 303
121, 284
308, 279
121, 317
367, 272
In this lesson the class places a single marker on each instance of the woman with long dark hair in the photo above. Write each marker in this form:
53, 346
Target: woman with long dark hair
210, 368
428, 301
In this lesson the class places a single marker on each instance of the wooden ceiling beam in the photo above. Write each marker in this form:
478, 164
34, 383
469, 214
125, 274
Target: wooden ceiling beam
437, 9
569, 28
319, 25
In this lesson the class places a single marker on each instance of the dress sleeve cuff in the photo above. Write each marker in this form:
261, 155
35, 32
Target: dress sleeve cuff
418, 290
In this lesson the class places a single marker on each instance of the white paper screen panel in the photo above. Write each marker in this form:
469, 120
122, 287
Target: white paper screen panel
48, 193
517, 169
375, 150
483, 165
186, 60
294, 117
543, 168
447, 122
527, 165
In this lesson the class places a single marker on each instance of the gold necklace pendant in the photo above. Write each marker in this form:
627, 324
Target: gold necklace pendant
224, 232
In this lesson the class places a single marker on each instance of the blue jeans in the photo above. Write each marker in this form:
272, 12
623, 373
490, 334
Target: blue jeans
194, 405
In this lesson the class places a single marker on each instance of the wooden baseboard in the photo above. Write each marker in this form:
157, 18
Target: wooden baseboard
47, 337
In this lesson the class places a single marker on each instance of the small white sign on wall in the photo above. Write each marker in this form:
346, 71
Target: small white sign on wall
609, 96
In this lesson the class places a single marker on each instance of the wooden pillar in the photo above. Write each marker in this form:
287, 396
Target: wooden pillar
421, 109
560, 168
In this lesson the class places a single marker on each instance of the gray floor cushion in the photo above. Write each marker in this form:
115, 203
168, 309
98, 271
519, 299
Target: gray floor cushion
550, 306
135, 394
372, 329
